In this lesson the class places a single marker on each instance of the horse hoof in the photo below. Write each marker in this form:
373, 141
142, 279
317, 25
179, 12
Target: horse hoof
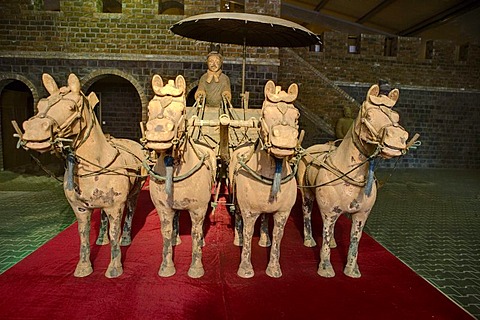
309, 243
102, 241
177, 241
245, 273
332, 244
196, 272
352, 272
83, 271
126, 241
113, 272
274, 272
326, 271
166, 271
264, 242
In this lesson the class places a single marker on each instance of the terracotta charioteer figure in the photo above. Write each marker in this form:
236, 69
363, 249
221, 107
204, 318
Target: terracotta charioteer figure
214, 85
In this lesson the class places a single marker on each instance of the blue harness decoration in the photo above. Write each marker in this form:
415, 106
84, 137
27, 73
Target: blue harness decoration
277, 177
370, 178
71, 161
168, 161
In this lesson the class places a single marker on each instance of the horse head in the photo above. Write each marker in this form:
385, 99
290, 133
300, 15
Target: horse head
166, 114
58, 117
377, 127
279, 121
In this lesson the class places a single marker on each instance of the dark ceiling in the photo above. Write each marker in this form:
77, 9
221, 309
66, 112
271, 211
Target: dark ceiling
457, 20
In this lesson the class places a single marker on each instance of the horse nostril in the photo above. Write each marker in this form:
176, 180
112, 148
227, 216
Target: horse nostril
170, 126
45, 125
149, 126
276, 132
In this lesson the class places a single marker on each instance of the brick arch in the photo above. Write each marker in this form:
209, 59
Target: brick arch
190, 87
6, 78
89, 79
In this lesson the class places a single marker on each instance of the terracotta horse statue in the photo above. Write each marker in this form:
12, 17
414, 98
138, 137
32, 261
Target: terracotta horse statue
261, 177
101, 173
341, 179
183, 174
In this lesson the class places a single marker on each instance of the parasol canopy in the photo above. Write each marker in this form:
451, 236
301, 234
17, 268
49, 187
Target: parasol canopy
245, 29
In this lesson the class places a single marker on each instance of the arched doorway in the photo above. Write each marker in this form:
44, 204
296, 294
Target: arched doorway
191, 96
16, 103
119, 110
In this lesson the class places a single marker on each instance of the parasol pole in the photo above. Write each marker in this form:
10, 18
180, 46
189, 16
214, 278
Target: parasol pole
243, 63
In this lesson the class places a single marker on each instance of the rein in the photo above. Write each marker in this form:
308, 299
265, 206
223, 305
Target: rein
359, 144
340, 175
242, 160
200, 156
58, 139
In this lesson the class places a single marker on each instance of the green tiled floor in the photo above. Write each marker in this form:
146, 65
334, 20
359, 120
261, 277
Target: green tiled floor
33, 209
430, 219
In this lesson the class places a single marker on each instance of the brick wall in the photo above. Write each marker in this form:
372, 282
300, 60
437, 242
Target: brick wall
446, 120
137, 43
81, 27
439, 96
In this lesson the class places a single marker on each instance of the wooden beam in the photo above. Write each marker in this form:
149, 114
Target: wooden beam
293, 12
440, 18
374, 11
320, 5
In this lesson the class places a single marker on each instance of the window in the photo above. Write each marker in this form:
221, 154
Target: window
317, 47
429, 49
462, 52
170, 7
353, 44
112, 6
391, 47
232, 6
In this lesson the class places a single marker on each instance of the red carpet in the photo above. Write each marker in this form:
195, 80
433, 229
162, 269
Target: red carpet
42, 286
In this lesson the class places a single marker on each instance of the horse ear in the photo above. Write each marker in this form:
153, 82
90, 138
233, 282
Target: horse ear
92, 100
373, 91
74, 83
269, 87
49, 83
180, 83
394, 95
157, 84
293, 91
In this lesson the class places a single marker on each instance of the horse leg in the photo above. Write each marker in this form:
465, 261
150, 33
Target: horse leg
103, 233
264, 238
273, 268
325, 268
358, 222
167, 268
307, 206
176, 230
245, 270
333, 243
131, 205
84, 266
115, 214
196, 267
238, 239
